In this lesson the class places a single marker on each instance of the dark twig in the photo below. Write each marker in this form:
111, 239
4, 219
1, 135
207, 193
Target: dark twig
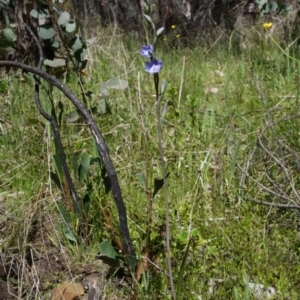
101, 147
280, 205
280, 159
282, 165
280, 186
269, 190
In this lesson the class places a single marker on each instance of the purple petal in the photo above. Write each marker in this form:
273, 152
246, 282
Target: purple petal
154, 66
147, 50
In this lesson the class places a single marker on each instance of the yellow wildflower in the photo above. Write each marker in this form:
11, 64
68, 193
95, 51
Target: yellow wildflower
267, 25
173, 27
177, 36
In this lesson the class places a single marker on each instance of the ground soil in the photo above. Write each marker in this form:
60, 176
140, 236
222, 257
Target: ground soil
32, 267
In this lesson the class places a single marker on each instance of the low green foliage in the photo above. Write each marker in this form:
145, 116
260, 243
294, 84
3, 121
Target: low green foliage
219, 107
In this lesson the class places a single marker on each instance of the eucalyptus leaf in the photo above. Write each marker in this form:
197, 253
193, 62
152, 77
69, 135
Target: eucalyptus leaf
73, 116
274, 7
39, 13
55, 44
76, 43
288, 7
70, 26
56, 62
266, 8
103, 92
9, 34
46, 32
102, 106
115, 84
43, 21
63, 18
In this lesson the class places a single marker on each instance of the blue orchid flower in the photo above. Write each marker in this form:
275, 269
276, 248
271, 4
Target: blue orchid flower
153, 66
147, 51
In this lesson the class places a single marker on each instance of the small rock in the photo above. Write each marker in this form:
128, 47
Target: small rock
259, 291
211, 90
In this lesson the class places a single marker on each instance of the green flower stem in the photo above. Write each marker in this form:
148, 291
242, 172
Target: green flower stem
282, 50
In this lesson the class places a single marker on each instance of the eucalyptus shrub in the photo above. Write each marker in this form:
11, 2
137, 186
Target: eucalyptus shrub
42, 31
52, 22
278, 7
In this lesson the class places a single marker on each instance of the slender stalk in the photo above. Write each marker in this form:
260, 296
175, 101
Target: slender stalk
162, 161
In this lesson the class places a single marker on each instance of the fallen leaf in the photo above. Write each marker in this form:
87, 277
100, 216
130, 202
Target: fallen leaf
68, 291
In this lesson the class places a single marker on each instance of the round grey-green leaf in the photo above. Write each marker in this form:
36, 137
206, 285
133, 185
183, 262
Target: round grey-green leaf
115, 84
63, 18
102, 106
46, 32
56, 62
44, 21
73, 116
70, 26
9, 35
55, 44
39, 13
76, 43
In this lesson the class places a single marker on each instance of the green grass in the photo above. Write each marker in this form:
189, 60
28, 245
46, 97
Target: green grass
206, 136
